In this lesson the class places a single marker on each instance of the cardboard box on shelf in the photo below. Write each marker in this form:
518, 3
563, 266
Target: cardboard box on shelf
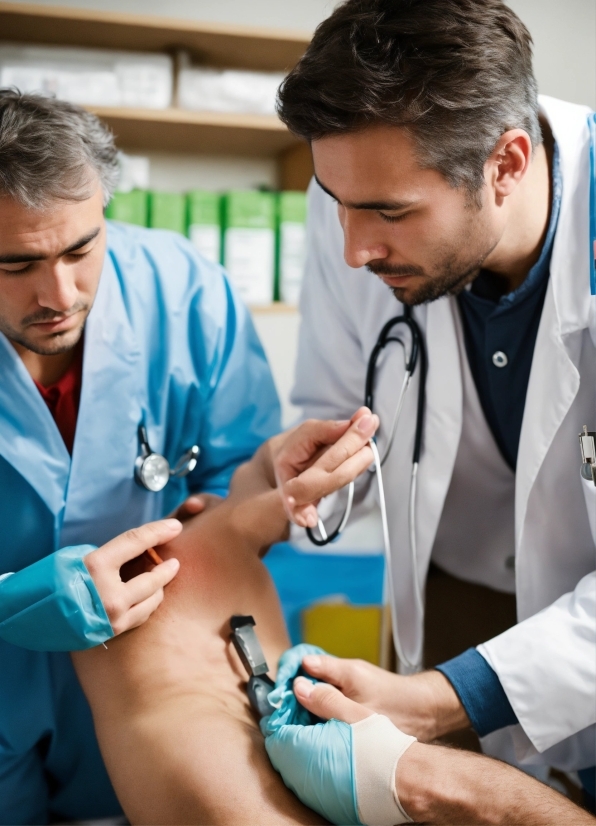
89, 77
134, 172
227, 90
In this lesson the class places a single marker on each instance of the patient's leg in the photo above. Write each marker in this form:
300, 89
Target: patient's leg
177, 734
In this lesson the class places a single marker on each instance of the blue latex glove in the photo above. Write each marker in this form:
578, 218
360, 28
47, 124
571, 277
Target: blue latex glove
314, 759
290, 667
53, 605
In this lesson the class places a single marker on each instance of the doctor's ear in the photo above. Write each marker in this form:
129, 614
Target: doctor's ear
508, 162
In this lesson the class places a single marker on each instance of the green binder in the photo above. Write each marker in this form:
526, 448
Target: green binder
249, 219
129, 207
204, 223
167, 210
291, 245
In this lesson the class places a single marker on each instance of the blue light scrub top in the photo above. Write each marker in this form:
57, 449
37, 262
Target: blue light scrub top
167, 342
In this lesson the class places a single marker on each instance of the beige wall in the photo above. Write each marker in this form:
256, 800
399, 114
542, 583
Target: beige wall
564, 33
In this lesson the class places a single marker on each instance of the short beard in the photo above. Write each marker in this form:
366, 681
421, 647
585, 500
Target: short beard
55, 344
451, 280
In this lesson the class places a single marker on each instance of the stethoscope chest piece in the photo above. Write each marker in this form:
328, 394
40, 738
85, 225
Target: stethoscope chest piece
152, 470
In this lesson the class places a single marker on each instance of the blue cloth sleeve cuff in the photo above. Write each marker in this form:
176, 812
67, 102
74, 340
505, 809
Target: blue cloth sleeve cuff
480, 692
53, 605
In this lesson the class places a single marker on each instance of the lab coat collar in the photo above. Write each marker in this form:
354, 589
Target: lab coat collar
29, 438
443, 423
570, 266
554, 379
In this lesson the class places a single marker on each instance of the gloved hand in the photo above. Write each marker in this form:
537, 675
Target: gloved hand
282, 697
343, 769
314, 759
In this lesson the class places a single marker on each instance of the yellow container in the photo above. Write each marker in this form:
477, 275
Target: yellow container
346, 630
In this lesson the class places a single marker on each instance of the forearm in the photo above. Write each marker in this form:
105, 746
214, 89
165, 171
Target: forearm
257, 509
257, 475
425, 705
440, 785
444, 712
259, 520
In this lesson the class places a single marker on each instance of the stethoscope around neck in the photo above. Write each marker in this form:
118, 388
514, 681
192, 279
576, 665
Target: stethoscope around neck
417, 354
153, 471
414, 357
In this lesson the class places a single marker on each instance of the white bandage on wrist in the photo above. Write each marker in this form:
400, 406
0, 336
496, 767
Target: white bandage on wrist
377, 746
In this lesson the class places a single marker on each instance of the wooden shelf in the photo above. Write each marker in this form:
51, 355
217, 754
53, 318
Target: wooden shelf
178, 130
211, 43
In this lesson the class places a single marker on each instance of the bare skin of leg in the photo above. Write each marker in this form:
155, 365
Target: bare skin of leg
174, 725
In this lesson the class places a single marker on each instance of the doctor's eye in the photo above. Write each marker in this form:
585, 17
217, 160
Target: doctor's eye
78, 254
19, 269
392, 219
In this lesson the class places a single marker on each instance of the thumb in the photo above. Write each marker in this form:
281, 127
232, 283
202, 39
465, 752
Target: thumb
326, 668
326, 701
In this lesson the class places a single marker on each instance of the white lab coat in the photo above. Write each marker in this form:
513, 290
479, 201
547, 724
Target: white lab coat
546, 663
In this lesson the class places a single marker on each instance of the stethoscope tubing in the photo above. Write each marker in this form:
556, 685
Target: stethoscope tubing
412, 663
416, 356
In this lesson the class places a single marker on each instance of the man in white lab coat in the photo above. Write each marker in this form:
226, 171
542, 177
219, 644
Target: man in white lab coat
439, 171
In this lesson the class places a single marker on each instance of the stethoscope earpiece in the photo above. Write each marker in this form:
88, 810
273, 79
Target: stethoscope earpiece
152, 470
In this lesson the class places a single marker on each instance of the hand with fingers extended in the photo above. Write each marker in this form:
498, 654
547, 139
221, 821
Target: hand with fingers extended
129, 604
345, 768
320, 457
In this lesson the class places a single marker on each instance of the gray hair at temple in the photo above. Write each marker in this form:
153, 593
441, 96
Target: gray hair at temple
53, 150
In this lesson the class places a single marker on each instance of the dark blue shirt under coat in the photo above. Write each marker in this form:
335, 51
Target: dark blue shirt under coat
497, 323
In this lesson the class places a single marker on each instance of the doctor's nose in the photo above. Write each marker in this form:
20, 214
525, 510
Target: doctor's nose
58, 290
359, 246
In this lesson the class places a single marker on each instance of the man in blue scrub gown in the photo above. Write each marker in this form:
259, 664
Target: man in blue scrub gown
102, 328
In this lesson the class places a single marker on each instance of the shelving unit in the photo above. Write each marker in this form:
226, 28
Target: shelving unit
277, 307
214, 43
178, 130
